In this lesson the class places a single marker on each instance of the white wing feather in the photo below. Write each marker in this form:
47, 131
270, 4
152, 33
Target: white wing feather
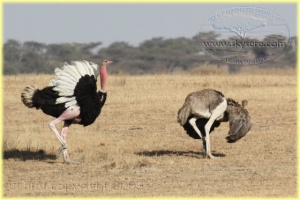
71, 70
80, 69
65, 99
70, 103
90, 69
60, 72
85, 67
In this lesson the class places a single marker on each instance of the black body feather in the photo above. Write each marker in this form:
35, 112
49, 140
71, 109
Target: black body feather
45, 100
200, 124
89, 100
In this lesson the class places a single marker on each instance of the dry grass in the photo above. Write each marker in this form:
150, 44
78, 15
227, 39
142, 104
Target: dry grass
136, 147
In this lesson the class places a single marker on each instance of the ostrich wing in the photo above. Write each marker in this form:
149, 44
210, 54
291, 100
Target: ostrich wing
238, 129
67, 78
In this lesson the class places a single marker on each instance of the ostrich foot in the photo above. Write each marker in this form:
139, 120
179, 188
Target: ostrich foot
66, 156
211, 156
61, 151
69, 161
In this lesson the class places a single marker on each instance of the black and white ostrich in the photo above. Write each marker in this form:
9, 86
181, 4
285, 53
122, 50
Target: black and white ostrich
71, 97
205, 110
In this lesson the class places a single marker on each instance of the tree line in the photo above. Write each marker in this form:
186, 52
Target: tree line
156, 55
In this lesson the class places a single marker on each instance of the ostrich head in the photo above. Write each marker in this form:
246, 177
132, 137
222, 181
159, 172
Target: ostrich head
239, 120
106, 62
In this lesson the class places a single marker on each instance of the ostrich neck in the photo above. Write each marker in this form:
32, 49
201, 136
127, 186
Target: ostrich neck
103, 77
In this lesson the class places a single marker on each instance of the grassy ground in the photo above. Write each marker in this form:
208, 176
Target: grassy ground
137, 148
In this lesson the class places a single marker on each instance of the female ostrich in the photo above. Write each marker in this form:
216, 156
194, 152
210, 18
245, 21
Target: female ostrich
204, 110
71, 97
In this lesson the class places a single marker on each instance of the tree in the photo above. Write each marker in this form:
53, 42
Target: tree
156, 55
12, 56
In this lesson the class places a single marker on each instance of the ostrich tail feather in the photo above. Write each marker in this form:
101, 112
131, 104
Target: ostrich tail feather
183, 114
26, 96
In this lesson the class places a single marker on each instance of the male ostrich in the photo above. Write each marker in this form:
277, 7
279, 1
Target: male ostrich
204, 110
71, 97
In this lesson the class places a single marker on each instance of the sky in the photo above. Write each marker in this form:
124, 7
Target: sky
108, 23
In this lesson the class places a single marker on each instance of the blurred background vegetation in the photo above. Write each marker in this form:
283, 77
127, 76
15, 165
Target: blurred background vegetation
156, 55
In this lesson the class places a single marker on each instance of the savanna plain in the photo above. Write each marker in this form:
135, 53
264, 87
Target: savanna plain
136, 148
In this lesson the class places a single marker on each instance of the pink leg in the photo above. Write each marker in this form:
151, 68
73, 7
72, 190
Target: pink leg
63, 134
69, 114
64, 130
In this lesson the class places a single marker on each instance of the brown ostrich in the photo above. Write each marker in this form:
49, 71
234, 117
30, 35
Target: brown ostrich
206, 109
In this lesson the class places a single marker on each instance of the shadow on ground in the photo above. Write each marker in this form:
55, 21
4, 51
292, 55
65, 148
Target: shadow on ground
28, 155
195, 154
